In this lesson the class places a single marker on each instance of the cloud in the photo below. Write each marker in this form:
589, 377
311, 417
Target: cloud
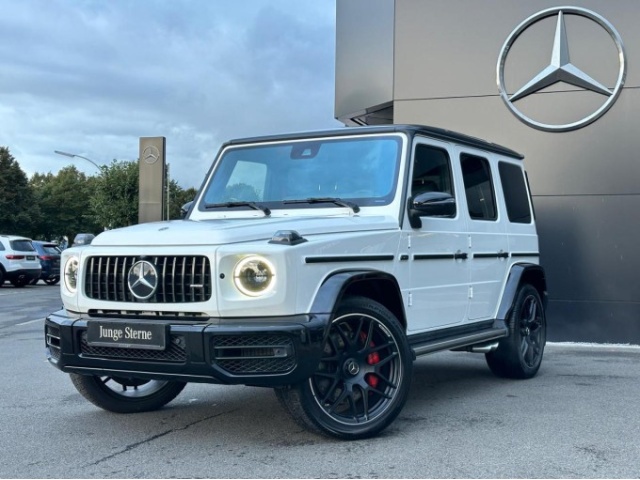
91, 77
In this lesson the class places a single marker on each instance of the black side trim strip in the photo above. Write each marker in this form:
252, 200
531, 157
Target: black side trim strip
525, 254
404, 257
349, 258
438, 256
491, 255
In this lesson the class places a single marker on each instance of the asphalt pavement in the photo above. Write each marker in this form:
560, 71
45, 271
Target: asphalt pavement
578, 418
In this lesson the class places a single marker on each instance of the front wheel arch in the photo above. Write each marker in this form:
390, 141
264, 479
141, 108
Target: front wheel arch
373, 284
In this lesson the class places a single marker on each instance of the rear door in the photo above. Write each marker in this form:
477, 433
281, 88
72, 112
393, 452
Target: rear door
487, 231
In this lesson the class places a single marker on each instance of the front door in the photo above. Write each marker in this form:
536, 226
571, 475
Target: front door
435, 255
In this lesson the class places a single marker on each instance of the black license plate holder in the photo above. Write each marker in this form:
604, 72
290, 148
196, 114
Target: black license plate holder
125, 334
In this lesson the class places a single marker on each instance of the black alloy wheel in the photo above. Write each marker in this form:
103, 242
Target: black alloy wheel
520, 354
126, 395
363, 378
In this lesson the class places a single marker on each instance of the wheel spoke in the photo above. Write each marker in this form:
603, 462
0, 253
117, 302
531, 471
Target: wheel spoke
352, 406
532, 311
345, 338
365, 404
524, 346
381, 393
330, 391
386, 380
386, 360
356, 334
369, 339
333, 345
338, 401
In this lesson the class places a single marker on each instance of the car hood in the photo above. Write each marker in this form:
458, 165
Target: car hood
225, 231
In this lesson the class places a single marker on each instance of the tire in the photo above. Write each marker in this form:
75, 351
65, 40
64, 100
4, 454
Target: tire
19, 283
363, 378
519, 355
1, 277
52, 281
126, 395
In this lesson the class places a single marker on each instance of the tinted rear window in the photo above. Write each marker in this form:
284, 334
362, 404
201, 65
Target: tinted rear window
22, 246
515, 193
51, 249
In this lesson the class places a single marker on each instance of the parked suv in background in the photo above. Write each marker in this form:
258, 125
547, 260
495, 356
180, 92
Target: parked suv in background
83, 239
19, 262
49, 256
319, 264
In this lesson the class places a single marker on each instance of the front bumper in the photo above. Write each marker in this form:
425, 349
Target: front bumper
267, 351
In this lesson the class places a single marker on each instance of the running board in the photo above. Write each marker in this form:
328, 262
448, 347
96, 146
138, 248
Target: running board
459, 341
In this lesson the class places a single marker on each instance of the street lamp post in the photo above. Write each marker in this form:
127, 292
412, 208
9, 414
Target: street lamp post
73, 155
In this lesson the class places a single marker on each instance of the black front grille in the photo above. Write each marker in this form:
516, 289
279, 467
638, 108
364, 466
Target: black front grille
253, 354
174, 353
181, 279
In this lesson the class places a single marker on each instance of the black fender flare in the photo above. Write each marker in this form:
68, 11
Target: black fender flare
335, 286
521, 273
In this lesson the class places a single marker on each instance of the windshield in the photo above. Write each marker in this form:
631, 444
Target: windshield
362, 170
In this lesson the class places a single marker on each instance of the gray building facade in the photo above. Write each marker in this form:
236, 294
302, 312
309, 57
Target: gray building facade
570, 103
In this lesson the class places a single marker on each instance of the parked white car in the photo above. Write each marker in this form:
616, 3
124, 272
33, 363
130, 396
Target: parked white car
320, 264
19, 262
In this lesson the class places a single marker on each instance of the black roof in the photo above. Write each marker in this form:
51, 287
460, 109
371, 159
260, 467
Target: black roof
433, 132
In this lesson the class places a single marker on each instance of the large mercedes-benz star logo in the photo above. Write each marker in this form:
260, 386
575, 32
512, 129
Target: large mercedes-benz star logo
151, 154
560, 69
143, 280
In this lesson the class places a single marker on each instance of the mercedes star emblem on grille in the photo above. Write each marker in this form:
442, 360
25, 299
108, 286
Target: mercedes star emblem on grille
143, 280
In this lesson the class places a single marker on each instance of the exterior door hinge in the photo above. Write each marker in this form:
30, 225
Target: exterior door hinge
410, 299
470, 292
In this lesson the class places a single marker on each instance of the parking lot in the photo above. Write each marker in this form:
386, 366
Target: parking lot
577, 418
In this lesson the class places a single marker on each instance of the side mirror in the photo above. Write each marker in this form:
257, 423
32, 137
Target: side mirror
184, 209
430, 204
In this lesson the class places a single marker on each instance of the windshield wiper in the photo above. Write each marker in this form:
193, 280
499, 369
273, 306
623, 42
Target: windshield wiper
334, 200
253, 205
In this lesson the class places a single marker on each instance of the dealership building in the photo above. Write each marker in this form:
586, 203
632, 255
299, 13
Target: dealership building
559, 84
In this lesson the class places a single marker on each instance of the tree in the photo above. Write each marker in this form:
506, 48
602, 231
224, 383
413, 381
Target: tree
65, 204
17, 209
114, 199
178, 197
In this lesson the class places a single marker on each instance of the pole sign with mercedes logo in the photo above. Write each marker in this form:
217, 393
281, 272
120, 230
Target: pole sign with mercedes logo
152, 179
560, 68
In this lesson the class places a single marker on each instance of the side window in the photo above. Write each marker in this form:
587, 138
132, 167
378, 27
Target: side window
1, 247
431, 171
515, 193
478, 187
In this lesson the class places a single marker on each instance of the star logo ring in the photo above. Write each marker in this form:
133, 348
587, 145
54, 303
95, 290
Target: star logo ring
560, 68
143, 280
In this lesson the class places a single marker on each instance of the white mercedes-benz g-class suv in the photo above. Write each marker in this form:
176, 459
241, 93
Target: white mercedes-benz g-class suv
319, 264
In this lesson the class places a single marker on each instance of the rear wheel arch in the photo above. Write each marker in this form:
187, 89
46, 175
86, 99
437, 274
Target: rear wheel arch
521, 274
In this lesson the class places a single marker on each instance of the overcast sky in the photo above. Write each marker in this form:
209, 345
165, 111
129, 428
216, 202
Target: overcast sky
92, 76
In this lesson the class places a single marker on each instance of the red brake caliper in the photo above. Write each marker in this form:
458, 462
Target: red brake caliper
372, 359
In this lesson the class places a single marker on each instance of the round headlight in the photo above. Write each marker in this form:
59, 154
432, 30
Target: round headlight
71, 274
254, 276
